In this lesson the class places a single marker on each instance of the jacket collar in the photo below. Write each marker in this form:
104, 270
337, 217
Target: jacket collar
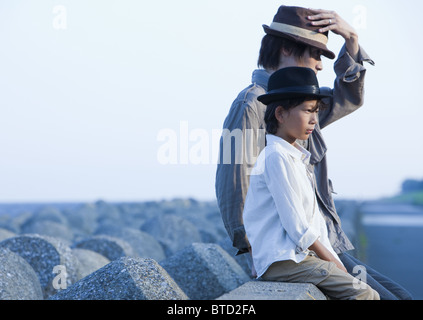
297, 151
261, 77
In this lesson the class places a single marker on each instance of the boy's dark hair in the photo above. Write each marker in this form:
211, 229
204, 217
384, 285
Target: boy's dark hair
272, 123
271, 47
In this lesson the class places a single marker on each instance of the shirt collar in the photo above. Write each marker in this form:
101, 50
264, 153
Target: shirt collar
261, 78
297, 151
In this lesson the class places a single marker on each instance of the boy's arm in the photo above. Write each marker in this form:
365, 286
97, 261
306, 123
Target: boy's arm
279, 179
290, 209
325, 254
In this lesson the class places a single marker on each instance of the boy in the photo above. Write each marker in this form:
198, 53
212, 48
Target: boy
286, 230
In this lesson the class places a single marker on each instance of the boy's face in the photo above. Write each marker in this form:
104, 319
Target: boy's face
297, 123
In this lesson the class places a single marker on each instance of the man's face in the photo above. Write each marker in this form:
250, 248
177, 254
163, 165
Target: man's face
312, 59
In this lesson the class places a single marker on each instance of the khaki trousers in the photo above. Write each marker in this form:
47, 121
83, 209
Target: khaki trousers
331, 280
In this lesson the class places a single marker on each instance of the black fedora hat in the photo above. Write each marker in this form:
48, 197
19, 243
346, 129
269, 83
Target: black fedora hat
292, 82
292, 23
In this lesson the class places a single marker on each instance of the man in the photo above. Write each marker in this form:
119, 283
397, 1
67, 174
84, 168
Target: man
296, 37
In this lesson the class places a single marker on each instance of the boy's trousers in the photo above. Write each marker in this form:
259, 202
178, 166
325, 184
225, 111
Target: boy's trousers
331, 280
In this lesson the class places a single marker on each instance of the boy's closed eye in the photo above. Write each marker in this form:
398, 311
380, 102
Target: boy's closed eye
316, 110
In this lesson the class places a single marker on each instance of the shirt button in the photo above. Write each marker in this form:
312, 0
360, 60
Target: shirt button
324, 273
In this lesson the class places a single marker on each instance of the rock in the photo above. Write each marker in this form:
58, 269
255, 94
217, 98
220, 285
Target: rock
6, 223
204, 271
175, 249
49, 228
17, 221
173, 232
18, 280
89, 261
47, 213
126, 278
133, 214
144, 245
5, 234
241, 259
44, 254
110, 247
266, 290
107, 212
83, 220
44, 214
208, 222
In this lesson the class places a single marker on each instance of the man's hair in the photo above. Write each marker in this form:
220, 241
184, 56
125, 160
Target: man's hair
272, 123
271, 48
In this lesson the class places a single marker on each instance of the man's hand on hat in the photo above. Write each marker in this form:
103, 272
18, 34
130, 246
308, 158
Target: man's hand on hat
331, 21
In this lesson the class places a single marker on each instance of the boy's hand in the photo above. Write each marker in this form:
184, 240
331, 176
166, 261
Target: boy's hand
320, 250
331, 21
340, 265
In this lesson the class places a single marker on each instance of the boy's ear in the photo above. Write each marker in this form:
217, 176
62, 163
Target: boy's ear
279, 114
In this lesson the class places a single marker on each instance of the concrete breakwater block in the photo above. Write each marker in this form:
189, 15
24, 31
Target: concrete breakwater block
204, 271
49, 228
89, 261
5, 234
173, 232
126, 278
267, 290
18, 280
110, 247
144, 244
44, 255
44, 214
83, 220
242, 259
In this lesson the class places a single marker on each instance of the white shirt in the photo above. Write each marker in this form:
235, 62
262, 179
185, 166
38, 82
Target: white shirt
281, 216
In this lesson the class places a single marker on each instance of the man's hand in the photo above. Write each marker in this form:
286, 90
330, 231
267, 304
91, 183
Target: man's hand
331, 21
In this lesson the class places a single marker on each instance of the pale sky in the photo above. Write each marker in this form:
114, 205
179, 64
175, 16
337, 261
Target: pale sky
88, 88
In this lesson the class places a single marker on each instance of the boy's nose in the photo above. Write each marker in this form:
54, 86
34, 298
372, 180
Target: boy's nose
314, 118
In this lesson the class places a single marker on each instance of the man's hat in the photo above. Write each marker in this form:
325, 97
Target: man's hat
292, 82
292, 23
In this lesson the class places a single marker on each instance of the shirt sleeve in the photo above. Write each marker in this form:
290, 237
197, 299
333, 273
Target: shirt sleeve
348, 91
288, 203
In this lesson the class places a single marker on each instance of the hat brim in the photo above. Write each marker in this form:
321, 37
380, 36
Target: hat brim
279, 96
325, 51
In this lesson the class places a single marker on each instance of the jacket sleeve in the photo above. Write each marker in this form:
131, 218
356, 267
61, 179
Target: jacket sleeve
348, 91
234, 168
288, 203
